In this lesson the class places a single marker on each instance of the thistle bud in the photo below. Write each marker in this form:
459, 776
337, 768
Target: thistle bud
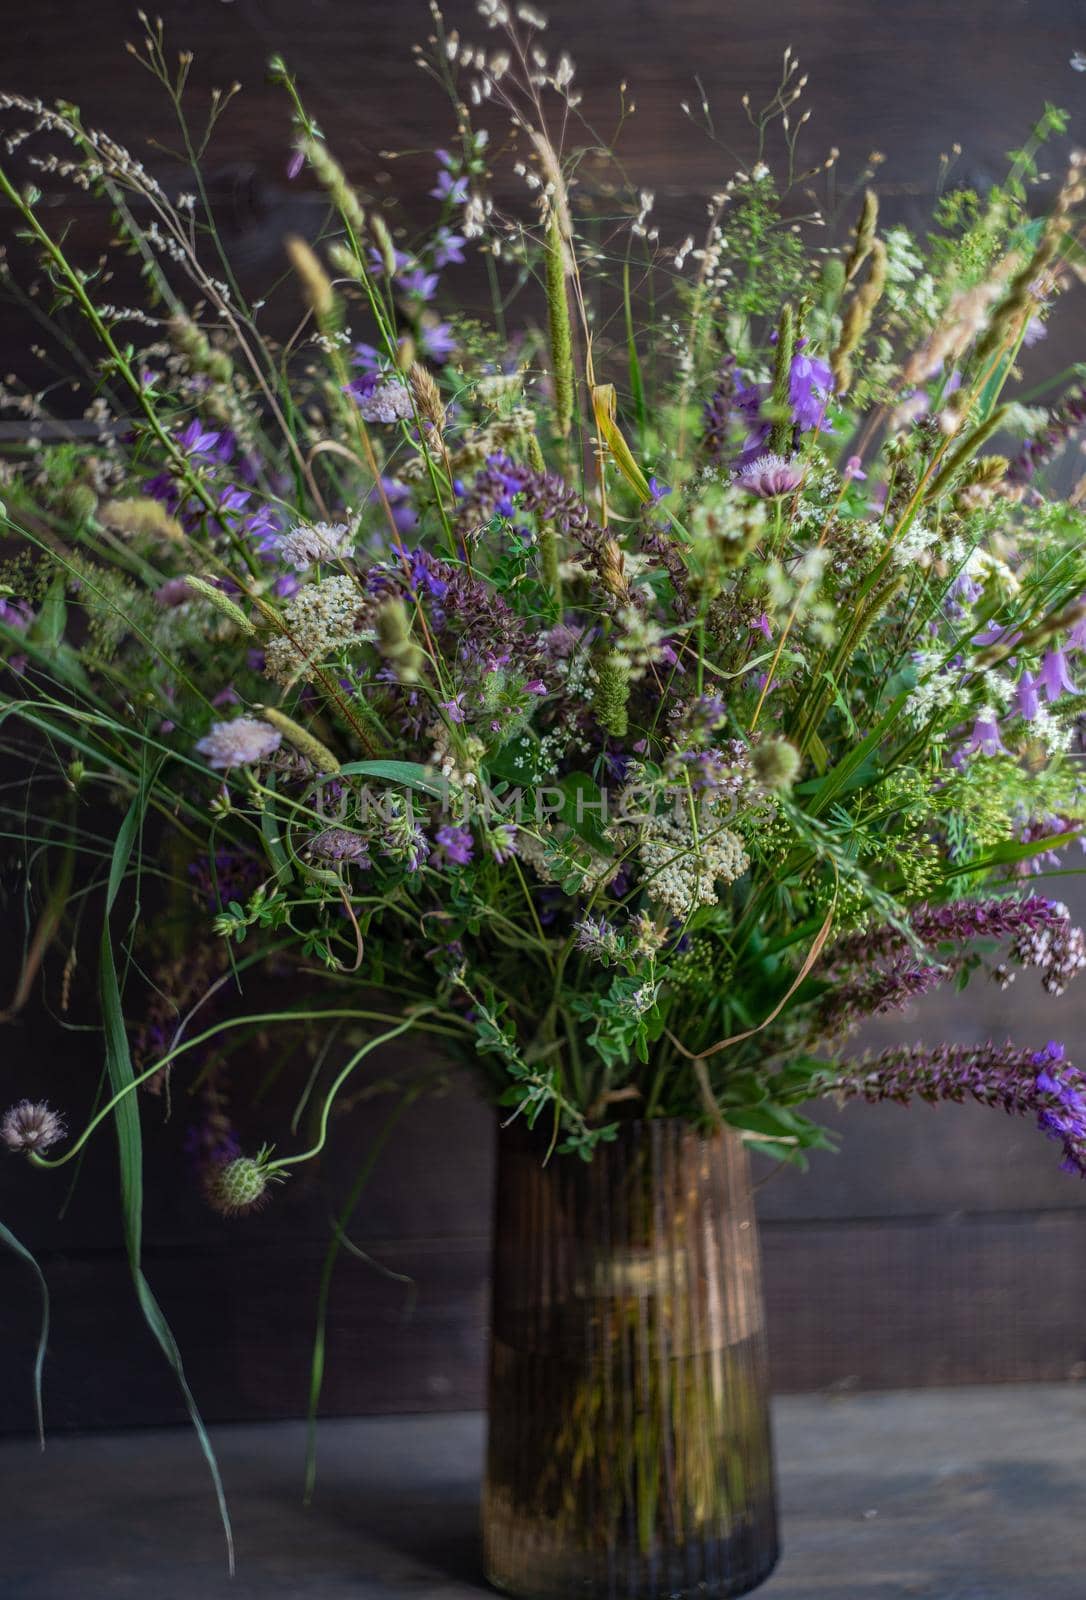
776, 763
235, 1187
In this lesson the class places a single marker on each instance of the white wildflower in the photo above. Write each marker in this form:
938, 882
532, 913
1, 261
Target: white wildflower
320, 620
238, 743
316, 541
389, 402
913, 544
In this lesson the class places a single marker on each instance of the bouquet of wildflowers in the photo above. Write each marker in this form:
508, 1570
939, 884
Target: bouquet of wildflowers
632, 689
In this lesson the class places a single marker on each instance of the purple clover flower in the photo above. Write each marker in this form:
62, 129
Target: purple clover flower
454, 846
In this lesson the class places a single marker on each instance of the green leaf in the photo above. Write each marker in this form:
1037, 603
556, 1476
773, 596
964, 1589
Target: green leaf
130, 1148
18, 1248
409, 774
273, 840
582, 808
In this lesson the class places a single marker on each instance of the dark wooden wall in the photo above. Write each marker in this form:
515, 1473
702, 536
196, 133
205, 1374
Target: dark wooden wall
940, 1246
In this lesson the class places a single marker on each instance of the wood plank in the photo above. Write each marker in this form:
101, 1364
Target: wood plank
852, 1305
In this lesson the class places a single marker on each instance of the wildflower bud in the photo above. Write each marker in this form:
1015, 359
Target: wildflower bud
776, 763
31, 1126
315, 281
395, 643
383, 240
612, 693
234, 1187
302, 740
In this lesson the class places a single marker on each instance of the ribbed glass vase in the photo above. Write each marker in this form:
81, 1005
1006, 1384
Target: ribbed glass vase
629, 1450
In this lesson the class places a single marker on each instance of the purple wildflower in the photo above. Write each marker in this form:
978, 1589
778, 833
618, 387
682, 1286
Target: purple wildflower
986, 739
718, 411
876, 993
598, 939
174, 592
195, 440
810, 387
401, 260
1063, 420
854, 470
1022, 1082
388, 402
295, 165
437, 340
1048, 827
452, 191
398, 496
1042, 932
454, 845
448, 248
770, 475
1055, 676
503, 842
419, 283
340, 845
1027, 698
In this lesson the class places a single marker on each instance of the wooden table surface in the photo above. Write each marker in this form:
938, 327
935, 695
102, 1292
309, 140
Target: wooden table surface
971, 1494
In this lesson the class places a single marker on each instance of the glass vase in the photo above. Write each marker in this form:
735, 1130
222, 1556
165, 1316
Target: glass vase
629, 1449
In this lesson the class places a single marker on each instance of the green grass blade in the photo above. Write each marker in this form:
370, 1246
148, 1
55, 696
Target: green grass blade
17, 1247
130, 1152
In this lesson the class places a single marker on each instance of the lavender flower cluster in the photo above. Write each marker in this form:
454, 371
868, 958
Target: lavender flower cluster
1021, 1082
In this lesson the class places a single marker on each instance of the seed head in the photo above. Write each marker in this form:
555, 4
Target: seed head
31, 1126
